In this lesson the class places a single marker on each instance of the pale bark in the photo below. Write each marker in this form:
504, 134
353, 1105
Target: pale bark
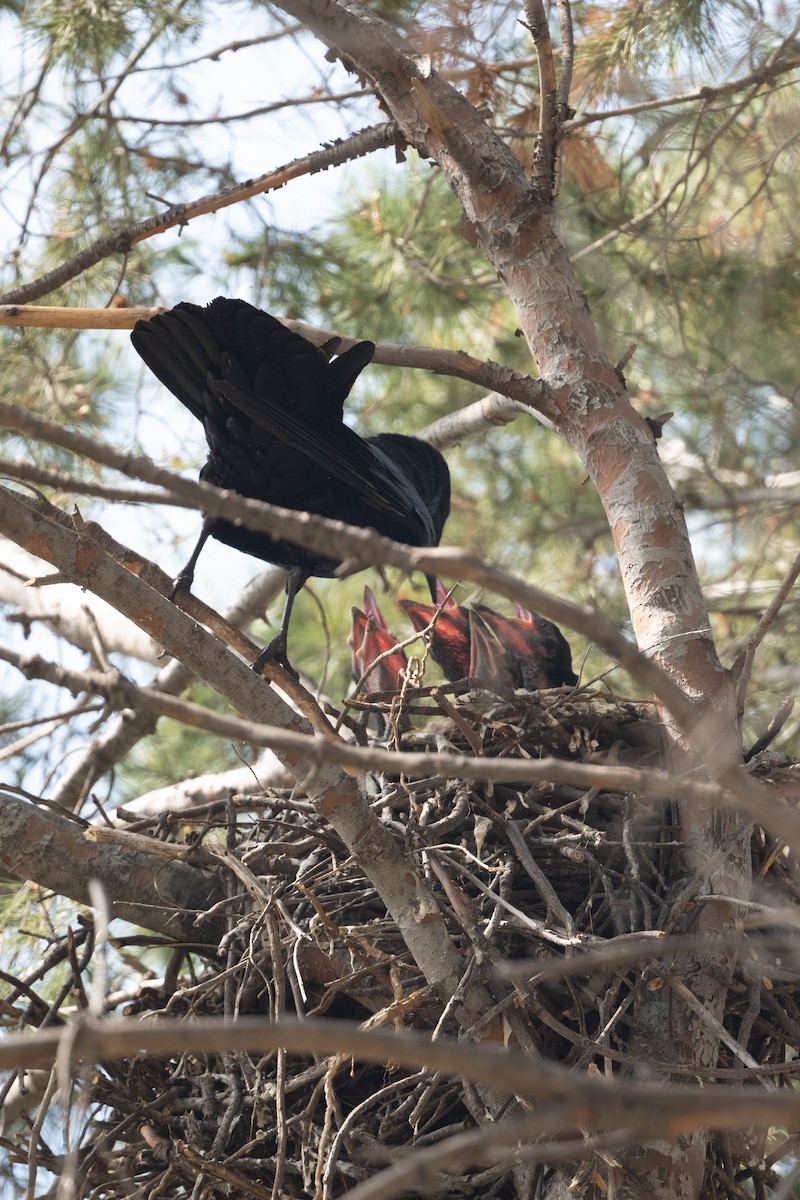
586, 402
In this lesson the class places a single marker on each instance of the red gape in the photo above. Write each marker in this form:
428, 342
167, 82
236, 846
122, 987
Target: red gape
537, 653
491, 649
450, 641
370, 637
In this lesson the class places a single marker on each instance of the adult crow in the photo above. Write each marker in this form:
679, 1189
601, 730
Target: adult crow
271, 406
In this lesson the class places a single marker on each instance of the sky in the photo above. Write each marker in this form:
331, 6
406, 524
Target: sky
233, 83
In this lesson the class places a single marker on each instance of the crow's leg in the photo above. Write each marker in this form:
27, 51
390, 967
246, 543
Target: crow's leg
185, 578
275, 651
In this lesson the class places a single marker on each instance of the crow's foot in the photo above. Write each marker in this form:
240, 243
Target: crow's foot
275, 652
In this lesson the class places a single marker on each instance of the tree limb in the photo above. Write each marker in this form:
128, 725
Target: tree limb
121, 241
40, 845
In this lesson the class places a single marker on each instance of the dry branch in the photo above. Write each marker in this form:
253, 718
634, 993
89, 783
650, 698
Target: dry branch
40, 845
639, 1106
122, 240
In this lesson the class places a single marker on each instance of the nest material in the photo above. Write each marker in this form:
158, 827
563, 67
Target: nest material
535, 867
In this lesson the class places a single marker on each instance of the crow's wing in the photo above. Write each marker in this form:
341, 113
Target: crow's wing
251, 347
182, 345
368, 470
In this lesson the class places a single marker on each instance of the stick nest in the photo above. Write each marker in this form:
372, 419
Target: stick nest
527, 875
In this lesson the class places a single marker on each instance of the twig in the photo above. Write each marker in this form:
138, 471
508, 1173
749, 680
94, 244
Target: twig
121, 240
764, 74
773, 729
544, 162
567, 61
680, 988
491, 412
293, 102
744, 665
124, 694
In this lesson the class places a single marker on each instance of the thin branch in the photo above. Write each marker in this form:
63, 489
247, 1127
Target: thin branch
604, 1103
211, 55
759, 633
720, 1032
491, 412
121, 693
764, 74
316, 751
76, 486
122, 240
510, 1141
621, 952
700, 157
249, 114
530, 392
544, 162
785, 710
101, 101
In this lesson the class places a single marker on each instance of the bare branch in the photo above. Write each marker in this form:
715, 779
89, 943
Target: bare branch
523, 388
785, 709
317, 97
121, 241
492, 412
745, 663
216, 54
254, 779
40, 845
121, 693
292, 747
636, 1105
544, 162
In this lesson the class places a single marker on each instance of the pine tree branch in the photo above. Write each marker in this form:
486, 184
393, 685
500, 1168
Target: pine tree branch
544, 160
764, 74
456, 363
121, 241
40, 845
